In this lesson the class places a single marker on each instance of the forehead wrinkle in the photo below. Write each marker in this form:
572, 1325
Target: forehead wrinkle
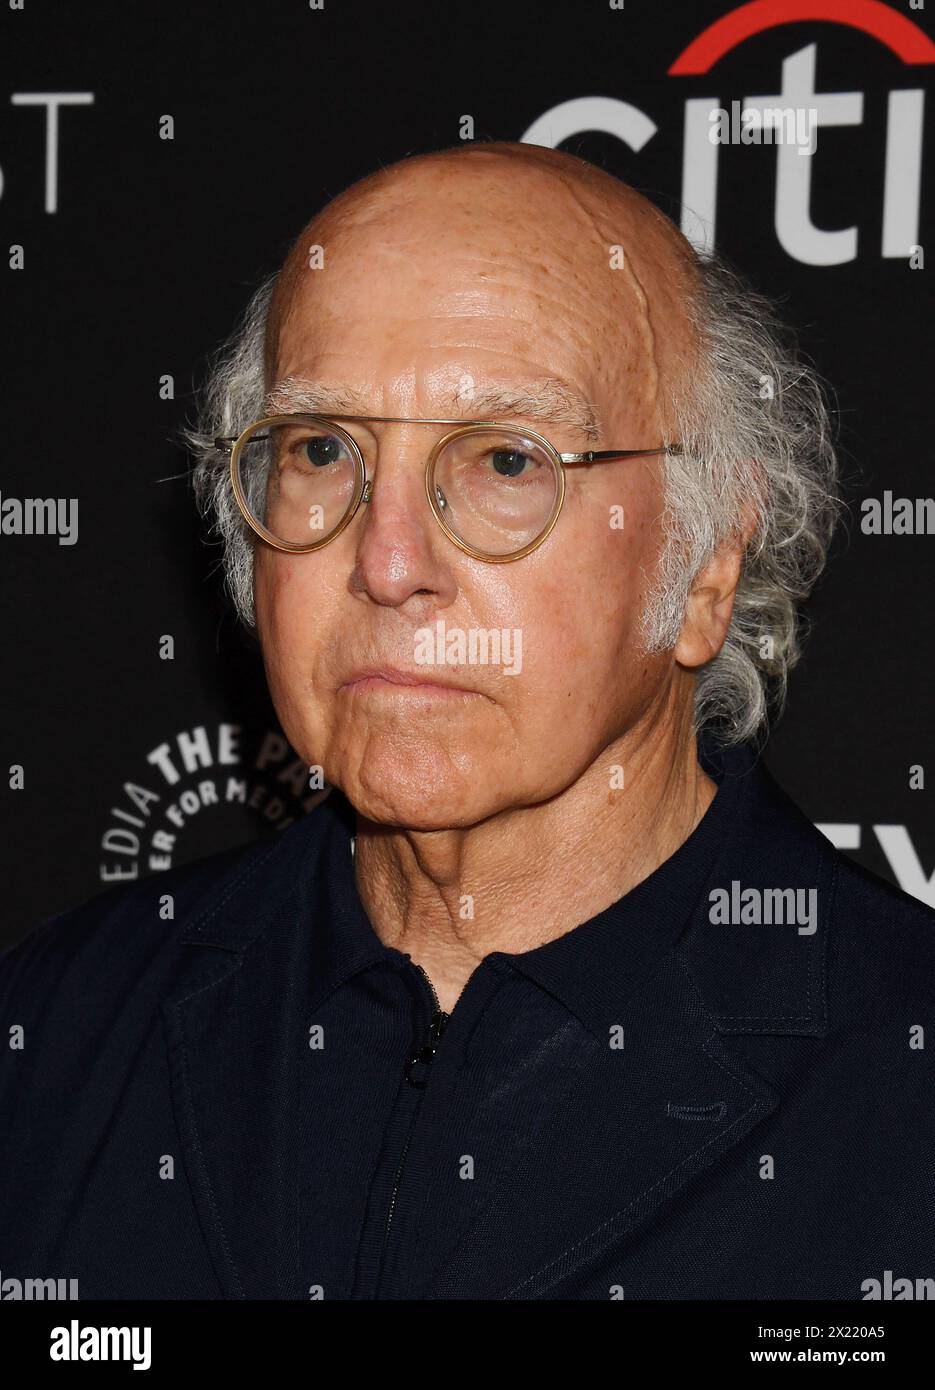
607, 235
658, 272
645, 327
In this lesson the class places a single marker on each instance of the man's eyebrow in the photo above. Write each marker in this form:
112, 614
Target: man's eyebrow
295, 395
549, 400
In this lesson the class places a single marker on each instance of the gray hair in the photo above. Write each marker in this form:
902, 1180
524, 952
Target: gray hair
754, 426
754, 423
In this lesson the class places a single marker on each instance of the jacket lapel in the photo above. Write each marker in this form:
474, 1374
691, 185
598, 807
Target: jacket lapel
706, 1057
233, 1068
684, 1098
661, 1110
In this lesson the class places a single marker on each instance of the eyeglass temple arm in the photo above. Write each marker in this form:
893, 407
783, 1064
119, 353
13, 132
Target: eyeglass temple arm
595, 455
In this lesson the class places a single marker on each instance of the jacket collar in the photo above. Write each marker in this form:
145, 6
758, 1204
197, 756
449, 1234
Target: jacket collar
753, 978
286, 926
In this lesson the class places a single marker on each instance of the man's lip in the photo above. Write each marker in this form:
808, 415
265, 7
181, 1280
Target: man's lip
374, 676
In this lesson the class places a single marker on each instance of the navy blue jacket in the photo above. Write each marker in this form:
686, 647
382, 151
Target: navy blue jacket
253, 1097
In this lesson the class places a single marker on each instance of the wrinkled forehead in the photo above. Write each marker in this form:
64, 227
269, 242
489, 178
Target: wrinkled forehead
580, 258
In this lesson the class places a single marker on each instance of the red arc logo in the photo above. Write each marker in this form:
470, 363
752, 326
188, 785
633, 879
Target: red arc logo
899, 34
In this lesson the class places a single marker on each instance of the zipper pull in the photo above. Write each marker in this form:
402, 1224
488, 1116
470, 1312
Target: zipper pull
417, 1068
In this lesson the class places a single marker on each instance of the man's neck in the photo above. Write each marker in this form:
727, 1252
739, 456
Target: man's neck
528, 875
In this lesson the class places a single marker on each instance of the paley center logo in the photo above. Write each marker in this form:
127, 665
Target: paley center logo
173, 806
796, 232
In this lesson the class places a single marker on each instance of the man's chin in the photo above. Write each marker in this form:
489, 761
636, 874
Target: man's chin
422, 798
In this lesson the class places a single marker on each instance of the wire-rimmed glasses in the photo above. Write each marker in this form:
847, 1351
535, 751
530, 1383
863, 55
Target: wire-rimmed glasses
495, 490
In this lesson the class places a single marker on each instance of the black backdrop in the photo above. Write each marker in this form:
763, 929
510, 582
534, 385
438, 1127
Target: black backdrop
139, 252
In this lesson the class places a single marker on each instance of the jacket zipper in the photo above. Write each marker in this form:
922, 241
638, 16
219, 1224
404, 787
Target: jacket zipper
416, 1074
426, 1054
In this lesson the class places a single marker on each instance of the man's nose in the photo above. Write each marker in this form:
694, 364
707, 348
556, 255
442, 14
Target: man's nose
401, 553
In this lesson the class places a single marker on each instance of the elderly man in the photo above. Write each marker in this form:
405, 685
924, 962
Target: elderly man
520, 495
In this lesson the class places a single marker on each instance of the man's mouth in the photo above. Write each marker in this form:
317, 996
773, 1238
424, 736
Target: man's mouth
391, 681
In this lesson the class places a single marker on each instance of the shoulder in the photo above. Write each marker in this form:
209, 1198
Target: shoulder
127, 937
862, 901
869, 958
882, 947
880, 940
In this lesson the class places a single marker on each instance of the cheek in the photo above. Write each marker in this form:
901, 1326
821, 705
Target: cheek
293, 611
592, 602
277, 614
583, 644
294, 593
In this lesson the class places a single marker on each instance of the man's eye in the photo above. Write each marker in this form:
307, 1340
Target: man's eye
509, 463
322, 449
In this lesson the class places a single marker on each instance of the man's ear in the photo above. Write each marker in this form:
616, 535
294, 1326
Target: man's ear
711, 600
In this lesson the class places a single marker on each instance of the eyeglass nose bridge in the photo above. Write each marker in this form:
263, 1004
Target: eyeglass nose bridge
366, 494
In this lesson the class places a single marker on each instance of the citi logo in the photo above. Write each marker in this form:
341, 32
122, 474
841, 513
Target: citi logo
797, 234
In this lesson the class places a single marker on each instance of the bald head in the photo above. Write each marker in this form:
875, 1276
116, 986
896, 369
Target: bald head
561, 246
